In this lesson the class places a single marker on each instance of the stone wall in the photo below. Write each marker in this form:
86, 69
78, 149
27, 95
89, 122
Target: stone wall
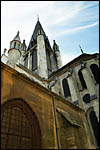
16, 86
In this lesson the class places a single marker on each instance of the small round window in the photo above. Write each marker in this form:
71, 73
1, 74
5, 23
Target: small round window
86, 98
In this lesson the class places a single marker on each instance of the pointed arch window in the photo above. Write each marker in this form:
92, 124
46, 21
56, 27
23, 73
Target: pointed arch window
14, 44
17, 131
94, 123
19, 46
95, 70
66, 88
48, 62
82, 79
34, 59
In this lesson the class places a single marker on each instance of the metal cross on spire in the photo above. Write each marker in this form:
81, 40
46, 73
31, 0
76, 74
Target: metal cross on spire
81, 49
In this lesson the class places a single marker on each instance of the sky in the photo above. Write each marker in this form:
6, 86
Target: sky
69, 23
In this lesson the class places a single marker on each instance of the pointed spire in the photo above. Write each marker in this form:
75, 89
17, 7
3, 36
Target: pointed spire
38, 17
17, 37
17, 33
81, 49
33, 40
24, 45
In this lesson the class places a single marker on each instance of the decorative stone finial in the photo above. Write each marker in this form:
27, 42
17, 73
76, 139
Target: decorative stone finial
55, 46
23, 41
54, 41
5, 51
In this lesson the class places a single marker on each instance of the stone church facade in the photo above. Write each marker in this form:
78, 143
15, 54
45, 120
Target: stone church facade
44, 104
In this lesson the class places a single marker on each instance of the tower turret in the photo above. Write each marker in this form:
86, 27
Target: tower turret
23, 51
14, 50
41, 53
57, 53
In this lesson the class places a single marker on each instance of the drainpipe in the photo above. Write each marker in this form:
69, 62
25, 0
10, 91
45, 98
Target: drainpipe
56, 122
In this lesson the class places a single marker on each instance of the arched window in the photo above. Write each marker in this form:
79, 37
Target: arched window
66, 88
94, 123
34, 59
95, 71
19, 46
19, 126
14, 44
82, 80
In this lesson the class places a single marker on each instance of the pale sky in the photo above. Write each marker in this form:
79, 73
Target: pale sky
69, 23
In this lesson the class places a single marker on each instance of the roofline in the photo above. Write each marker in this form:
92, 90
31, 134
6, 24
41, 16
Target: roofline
75, 61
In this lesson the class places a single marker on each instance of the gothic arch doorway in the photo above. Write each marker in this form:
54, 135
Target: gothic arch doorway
19, 126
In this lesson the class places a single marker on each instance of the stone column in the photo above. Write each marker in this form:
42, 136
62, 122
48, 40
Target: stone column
73, 89
22, 57
88, 79
29, 60
53, 65
41, 53
58, 56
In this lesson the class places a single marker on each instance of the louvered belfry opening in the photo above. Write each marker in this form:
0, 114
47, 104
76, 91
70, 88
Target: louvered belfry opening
17, 131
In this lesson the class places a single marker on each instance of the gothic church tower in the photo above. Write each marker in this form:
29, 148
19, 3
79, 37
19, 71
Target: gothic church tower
41, 58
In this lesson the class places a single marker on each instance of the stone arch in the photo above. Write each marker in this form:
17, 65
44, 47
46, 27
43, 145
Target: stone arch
19, 126
93, 124
95, 71
66, 88
82, 79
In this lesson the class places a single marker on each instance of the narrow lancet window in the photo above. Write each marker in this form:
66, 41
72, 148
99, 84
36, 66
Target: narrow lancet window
66, 88
95, 69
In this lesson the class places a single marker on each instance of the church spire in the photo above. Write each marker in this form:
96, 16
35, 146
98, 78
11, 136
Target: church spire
38, 17
38, 27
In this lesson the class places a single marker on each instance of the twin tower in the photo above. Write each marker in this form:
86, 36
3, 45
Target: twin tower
39, 57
